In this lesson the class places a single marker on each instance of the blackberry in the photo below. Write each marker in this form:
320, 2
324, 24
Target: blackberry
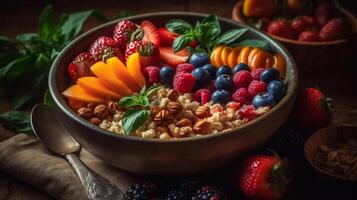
141, 191
208, 193
177, 195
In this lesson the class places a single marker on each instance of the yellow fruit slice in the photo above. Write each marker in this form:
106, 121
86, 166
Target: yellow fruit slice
122, 73
78, 93
280, 65
94, 86
212, 57
109, 79
217, 56
232, 57
259, 60
224, 54
252, 54
243, 55
134, 69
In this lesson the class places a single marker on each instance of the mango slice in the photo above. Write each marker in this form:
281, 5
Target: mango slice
78, 93
94, 86
134, 69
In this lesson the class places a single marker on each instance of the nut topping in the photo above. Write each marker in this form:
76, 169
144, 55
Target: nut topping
101, 111
184, 122
95, 120
174, 107
172, 95
91, 106
183, 132
202, 127
189, 115
113, 107
162, 129
154, 110
202, 111
86, 113
163, 117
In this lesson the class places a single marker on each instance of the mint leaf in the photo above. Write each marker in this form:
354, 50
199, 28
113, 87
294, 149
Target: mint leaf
262, 44
212, 22
29, 38
133, 119
47, 25
181, 42
178, 26
16, 121
16, 68
230, 36
152, 90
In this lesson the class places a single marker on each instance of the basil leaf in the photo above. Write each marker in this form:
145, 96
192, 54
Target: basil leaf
230, 36
43, 63
255, 43
29, 38
181, 42
178, 26
48, 100
47, 25
16, 68
16, 121
133, 119
152, 90
213, 23
126, 100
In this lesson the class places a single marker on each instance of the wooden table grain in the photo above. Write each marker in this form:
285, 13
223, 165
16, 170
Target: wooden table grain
339, 82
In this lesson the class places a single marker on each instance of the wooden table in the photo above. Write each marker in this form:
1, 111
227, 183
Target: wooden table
339, 82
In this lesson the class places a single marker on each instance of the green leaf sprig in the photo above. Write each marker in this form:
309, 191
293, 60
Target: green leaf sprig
137, 109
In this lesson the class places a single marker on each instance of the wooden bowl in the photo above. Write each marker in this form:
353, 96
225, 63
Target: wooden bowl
315, 57
329, 136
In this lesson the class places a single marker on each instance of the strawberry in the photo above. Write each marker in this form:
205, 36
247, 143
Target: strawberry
334, 29
166, 37
173, 59
280, 28
309, 36
310, 21
103, 48
123, 31
150, 33
80, 66
149, 53
311, 110
262, 177
324, 12
298, 25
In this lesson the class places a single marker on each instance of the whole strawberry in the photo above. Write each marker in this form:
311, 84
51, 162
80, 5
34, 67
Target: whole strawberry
309, 36
311, 111
105, 47
80, 66
123, 31
281, 28
262, 177
334, 29
149, 53
298, 25
324, 12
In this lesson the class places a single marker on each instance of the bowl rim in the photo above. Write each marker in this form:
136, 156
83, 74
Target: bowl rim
63, 106
312, 164
237, 16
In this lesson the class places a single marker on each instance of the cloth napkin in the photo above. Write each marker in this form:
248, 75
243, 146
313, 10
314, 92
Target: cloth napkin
25, 158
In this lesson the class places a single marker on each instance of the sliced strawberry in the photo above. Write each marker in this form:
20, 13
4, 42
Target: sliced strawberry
166, 37
151, 33
171, 58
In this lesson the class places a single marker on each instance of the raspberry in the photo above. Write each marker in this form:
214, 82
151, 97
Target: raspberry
256, 87
184, 67
152, 74
184, 82
256, 73
202, 95
241, 96
309, 36
242, 79
247, 112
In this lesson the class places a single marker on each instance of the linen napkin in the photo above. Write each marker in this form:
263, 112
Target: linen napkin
26, 158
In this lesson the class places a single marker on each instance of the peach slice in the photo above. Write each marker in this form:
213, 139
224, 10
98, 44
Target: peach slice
232, 57
78, 93
243, 55
122, 73
259, 60
279, 64
252, 54
217, 56
224, 54
94, 86
109, 79
213, 54
134, 69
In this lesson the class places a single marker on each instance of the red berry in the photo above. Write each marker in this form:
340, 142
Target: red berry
281, 28
256, 73
202, 95
247, 112
168, 56
152, 74
151, 33
184, 68
334, 29
80, 66
256, 87
242, 79
241, 96
149, 53
309, 36
103, 48
184, 82
167, 37
123, 31
298, 25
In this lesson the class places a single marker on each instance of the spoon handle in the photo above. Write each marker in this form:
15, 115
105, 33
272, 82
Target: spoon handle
95, 186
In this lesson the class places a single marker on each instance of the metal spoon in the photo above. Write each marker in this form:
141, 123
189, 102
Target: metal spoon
56, 138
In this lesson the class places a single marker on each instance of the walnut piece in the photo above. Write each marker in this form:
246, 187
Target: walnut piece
184, 122
174, 107
163, 117
202, 111
101, 111
113, 107
202, 127
95, 120
86, 113
172, 95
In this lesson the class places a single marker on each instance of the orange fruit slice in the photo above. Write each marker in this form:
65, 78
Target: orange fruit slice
94, 86
134, 69
78, 93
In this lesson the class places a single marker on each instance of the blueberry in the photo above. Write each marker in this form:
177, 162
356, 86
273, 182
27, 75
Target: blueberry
211, 69
199, 59
240, 66
224, 82
224, 69
269, 74
202, 76
221, 96
263, 99
167, 74
277, 89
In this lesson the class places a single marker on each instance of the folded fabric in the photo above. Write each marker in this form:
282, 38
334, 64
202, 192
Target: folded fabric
25, 158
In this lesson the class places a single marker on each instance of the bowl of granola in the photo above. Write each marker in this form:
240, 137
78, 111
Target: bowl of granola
172, 92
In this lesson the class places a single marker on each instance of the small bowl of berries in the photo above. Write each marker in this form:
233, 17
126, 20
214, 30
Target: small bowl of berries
318, 34
172, 93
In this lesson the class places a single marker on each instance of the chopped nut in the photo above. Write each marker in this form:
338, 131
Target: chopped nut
164, 136
163, 117
101, 111
154, 110
113, 107
86, 113
183, 132
188, 114
202, 111
184, 122
172, 95
174, 107
95, 120
91, 106
202, 127
162, 129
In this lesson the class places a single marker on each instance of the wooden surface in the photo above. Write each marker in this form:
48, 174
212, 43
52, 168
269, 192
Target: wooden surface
337, 82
